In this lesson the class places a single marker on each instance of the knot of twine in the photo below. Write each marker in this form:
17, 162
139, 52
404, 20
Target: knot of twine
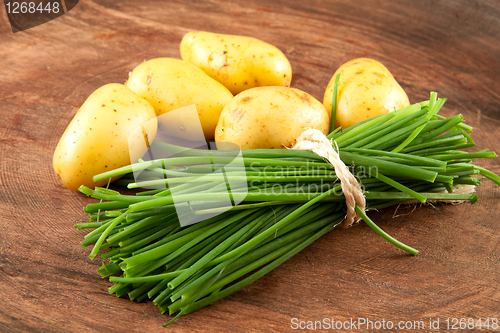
315, 141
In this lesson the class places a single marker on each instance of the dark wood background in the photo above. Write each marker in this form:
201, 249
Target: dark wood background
47, 281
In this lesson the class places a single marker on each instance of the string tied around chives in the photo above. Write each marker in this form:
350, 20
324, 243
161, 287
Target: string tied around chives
315, 141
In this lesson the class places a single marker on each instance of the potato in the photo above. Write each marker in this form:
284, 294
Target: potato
169, 84
270, 117
366, 89
97, 139
238, 62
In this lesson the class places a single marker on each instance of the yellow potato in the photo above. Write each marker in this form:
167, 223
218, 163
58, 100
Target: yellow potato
97, 139
169, 84
366, 89
270, 117
238, 62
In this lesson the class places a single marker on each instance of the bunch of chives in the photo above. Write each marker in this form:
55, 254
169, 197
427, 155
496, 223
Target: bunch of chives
409, 154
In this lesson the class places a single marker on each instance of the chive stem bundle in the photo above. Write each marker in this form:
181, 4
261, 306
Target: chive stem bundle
287, 199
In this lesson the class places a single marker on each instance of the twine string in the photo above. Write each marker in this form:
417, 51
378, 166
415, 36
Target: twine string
315, 141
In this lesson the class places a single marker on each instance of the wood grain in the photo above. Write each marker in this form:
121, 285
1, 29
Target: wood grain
47, 281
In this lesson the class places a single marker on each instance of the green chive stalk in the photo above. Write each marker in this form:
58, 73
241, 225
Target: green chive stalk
286, 200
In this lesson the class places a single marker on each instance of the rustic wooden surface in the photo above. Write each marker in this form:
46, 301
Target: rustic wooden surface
47, 281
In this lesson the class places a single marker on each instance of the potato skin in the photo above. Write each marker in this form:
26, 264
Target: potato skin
238, 62
366, 89
169, 84
270, 117
96, 140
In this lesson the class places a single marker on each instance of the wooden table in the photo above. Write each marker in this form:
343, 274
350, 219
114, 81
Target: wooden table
47, 281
